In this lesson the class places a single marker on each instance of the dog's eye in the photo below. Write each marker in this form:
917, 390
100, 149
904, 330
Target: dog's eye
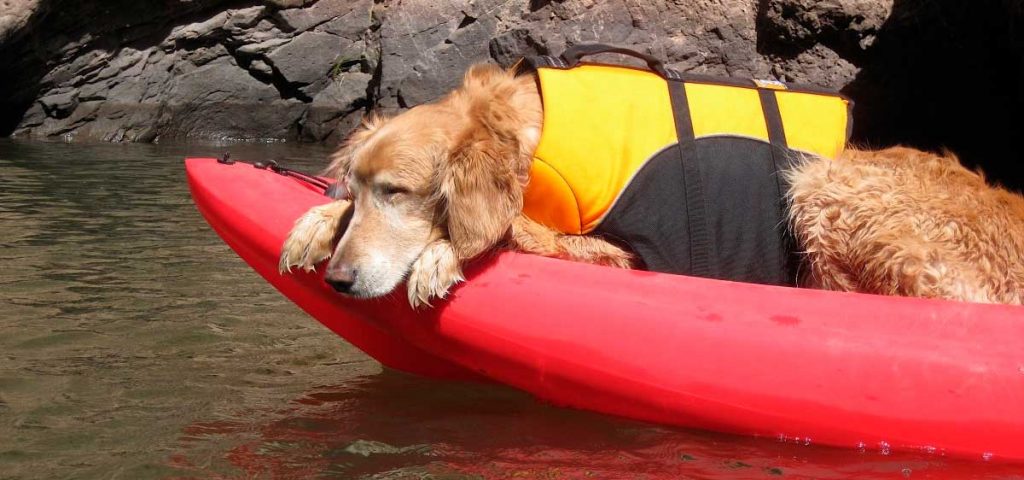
389, 190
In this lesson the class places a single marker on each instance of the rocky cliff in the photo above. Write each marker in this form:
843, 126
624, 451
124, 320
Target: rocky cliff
930, 73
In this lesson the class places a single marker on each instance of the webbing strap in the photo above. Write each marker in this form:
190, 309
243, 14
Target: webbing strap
773, 119
780, 162
330, 189
776, 135
700, 235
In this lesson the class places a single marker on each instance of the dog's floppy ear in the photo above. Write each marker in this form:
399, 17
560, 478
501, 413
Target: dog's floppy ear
341, 160
479, 183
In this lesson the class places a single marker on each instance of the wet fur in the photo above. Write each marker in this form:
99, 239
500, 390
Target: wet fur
895, 222
904, 222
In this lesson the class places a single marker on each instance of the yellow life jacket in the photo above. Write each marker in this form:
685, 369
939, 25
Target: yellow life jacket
683, 169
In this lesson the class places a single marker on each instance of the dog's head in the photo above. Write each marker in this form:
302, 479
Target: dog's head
452, 169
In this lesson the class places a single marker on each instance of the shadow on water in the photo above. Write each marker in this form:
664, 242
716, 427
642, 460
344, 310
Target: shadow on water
391, 425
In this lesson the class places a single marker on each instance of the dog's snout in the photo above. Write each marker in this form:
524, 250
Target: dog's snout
341, 278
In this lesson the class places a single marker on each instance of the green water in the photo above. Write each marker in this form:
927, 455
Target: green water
134, 344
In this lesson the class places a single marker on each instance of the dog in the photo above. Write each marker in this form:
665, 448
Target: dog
443, 183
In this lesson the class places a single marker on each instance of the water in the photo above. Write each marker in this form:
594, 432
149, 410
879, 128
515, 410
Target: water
134, 344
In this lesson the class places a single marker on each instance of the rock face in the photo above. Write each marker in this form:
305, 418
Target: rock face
188, 69
930, 73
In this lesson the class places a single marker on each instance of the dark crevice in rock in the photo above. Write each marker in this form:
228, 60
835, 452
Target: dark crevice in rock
787, 28
947, 74
377, 72
273, 77
245, 62
770, 40
901, 55
467, 20
288, 89
364, 105
538, 4
373, 89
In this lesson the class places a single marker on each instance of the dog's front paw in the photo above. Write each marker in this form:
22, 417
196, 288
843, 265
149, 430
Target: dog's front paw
433, 274
311, 239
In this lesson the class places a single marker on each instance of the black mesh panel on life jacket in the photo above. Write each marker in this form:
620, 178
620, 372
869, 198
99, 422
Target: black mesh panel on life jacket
744, 214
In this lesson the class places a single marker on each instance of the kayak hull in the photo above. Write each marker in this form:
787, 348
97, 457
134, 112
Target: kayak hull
841, 369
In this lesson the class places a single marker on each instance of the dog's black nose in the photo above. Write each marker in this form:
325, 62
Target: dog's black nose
340, 286
341, 279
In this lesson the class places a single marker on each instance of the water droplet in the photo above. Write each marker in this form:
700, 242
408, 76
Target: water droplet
862, 447
807, 441
930, 450
986, 456
884, 448
782, 437
906, 472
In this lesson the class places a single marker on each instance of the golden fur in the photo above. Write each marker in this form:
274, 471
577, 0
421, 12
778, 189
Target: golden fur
905, 222
443, 183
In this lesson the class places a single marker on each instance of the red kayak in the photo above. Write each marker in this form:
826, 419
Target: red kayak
808, 366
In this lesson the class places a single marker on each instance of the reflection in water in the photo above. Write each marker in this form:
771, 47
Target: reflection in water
134, 344
391, 425
123, 317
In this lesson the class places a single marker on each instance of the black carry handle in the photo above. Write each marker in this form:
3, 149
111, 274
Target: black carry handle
574, 54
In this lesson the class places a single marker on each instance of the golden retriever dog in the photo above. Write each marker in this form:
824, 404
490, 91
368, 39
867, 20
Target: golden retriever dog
442, 183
